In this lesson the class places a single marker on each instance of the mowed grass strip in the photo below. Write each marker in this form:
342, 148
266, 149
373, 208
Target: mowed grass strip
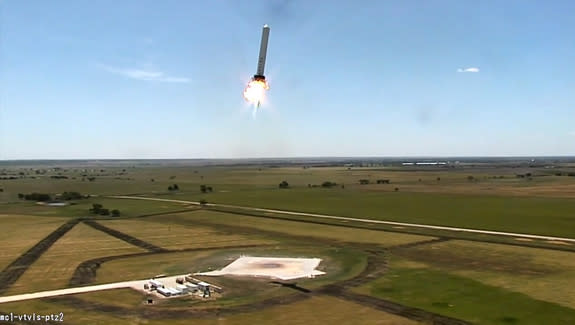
295, 228
459, 297
539, 273
56, 266
162, 232
20, 232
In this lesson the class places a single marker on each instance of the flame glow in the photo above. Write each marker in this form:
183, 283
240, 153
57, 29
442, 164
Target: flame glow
255, 92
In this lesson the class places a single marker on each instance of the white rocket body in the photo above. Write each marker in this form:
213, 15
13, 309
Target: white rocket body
263, 52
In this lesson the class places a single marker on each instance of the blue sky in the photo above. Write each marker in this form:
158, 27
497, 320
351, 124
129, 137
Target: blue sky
164, 79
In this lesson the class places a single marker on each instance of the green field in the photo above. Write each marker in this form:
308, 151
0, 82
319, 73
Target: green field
507, 204
546, 216
464, 298
539, 273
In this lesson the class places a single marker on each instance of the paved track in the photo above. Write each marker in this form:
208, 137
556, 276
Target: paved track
138, 285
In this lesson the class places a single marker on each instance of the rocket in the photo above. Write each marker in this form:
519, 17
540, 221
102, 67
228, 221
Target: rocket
259, 76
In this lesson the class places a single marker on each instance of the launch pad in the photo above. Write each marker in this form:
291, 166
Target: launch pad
270, 267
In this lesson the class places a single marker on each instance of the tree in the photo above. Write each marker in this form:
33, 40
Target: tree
71, 196
37, 197
21, 196
364, 181
397, 189
203, 202
328, 184
170, 188
115, 213
104, 212
96, 208
209, 189
203, 188
284, 184
438, 179
470, 178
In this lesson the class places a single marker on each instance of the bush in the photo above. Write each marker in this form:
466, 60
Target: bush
283, 184
96, 208
328, 184
71, 196
37, 197
115, 213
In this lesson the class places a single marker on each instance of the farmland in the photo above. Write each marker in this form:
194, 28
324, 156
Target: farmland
376, 274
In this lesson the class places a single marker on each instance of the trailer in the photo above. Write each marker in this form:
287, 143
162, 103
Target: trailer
165, 292
154, 284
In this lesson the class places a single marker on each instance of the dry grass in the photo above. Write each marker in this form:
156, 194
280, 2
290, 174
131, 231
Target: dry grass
161, 232
20, 232
300, 228
56, 266
316, 310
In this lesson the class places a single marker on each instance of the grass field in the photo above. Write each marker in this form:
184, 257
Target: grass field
338, 263
456, 296
508, 203
20, 232
72, 315
478, 282
166, 234
539, 273
309, 311
293, 228
546, 216
128, 208
56, 266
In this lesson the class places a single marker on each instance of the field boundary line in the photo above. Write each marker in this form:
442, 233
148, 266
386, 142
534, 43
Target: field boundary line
125, 237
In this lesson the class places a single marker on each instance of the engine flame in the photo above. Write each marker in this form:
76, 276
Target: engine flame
255, 92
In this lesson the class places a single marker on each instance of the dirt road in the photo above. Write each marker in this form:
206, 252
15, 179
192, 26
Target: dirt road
373, 221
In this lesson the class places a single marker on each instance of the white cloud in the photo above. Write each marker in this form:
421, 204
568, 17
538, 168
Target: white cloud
145, 75
572, 133
468, 70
